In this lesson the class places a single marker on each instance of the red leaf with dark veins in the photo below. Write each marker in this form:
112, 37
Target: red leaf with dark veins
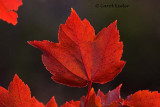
80, 57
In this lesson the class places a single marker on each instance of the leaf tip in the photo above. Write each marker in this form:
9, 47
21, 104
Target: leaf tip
52, 103
16, 77
73, 13
14, 23
31, 42
115, 21
35, 43
120, 85
72, 9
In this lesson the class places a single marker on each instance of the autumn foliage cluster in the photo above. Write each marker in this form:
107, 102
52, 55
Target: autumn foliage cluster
78, 60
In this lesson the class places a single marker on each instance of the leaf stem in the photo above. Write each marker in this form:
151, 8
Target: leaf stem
89, 89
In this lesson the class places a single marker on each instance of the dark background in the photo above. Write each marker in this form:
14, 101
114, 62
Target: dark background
139, 27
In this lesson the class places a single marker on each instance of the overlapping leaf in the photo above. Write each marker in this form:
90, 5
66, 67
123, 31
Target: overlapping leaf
144, 98
8, 10
92, 101
110, 97
71, 104
19, 95
80, 57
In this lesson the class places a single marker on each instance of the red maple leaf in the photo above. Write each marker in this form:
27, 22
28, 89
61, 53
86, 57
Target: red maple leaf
19, 95
110, 99
80, 57
71, 104
51, 103
8, 10
143, 98
92, 100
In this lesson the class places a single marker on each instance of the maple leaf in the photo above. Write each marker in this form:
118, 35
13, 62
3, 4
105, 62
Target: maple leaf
19, 95
92, 100
110, 97
8, 10
71, 104
80, 57
143, 98
51, 103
